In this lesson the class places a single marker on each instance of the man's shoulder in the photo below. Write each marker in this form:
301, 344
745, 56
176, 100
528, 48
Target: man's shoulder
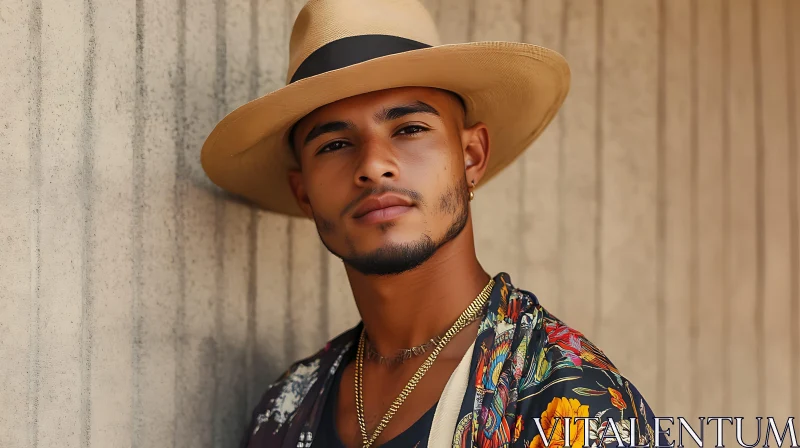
563, 360
567, 374
570, 345
285, 396
542, 332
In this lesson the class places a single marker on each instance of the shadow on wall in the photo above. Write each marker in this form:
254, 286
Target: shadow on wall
231, 386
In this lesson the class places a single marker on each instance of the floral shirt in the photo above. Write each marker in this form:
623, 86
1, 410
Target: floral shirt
529, 371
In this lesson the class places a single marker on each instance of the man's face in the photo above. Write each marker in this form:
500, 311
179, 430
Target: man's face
384, 176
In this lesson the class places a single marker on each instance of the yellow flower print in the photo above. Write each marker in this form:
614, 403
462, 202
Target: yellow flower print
555, 414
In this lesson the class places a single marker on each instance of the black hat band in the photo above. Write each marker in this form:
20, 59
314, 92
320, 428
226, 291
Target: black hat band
352, 50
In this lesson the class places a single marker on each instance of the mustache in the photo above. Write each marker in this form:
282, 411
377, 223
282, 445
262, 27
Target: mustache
415, 196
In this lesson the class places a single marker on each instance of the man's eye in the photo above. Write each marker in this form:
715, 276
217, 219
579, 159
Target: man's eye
413, 129
339, 144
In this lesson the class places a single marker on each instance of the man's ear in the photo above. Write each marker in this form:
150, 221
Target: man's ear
300, 193
475, 141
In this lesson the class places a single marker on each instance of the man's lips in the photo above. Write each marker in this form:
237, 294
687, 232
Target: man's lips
383, 214
383, 206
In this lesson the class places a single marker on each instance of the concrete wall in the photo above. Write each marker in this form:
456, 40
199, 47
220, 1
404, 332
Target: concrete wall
141, 307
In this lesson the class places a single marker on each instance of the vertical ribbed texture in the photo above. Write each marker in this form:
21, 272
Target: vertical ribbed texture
709, 198
676, 157
792, 85
137, 226
628, 209
776, 208
576, 159
35, 206
694, 260
661, 213
741, 220
759, 211
141, 307
87, 206
725, 289
597, 187
536, 260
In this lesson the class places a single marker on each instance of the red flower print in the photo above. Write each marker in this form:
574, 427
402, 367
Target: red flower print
616, 399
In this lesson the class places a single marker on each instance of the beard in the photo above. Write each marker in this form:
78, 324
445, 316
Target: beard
393, 259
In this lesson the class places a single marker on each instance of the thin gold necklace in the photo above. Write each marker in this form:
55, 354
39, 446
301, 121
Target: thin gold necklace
403, 354
466, 317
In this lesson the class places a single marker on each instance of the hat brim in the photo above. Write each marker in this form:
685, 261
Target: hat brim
515, 88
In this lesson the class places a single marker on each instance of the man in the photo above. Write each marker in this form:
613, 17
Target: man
381, 137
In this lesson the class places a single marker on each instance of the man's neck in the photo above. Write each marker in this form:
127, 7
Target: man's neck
408, 309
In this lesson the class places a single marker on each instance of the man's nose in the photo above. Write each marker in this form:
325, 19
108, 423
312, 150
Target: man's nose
377, 161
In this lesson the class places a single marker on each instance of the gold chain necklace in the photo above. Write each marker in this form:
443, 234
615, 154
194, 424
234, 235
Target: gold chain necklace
404, 354
466, 317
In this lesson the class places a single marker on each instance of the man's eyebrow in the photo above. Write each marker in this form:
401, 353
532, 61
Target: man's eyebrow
395, 112
324, 128
386, 114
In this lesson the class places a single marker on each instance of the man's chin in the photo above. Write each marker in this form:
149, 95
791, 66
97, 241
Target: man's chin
392, 259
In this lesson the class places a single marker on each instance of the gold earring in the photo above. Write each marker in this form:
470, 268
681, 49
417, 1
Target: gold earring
471, 192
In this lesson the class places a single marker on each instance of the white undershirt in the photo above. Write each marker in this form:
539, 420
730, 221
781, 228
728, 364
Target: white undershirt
445, 418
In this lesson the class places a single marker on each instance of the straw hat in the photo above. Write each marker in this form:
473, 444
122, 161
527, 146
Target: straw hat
342, 48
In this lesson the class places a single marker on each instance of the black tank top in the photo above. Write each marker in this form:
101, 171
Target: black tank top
416, 436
